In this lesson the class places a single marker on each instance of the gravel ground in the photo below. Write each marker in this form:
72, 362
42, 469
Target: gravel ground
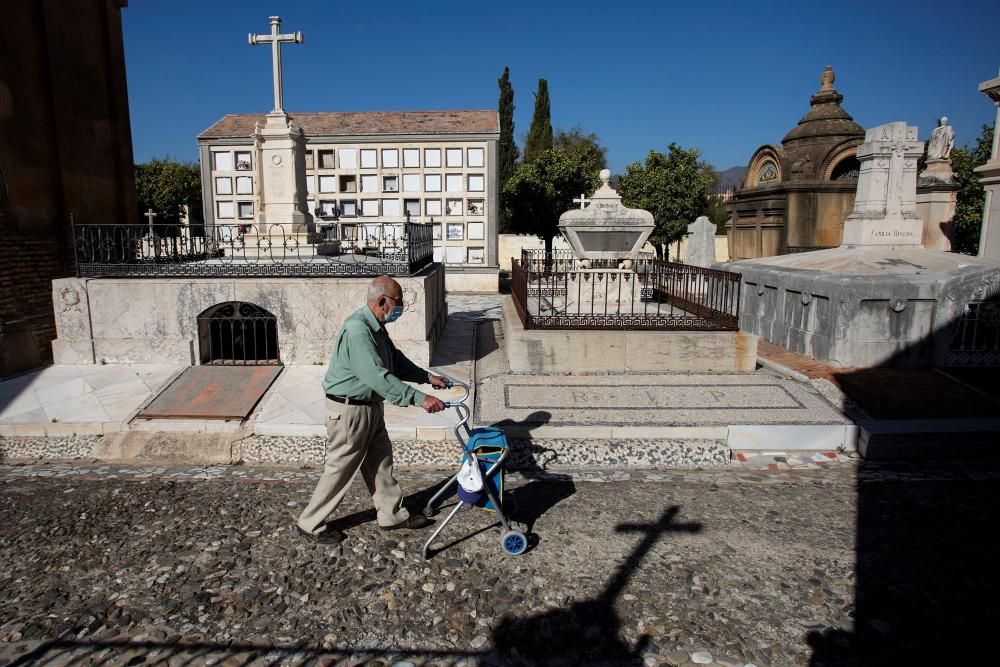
821, 567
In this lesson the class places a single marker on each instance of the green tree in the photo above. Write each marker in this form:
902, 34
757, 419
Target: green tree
716, 212
576, 136
674, 187
968, 220
507, 147
165, 186
540, 134
715, 207
542, 190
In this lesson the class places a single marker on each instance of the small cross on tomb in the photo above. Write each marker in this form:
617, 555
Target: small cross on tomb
275, 39
582, 201
149, 216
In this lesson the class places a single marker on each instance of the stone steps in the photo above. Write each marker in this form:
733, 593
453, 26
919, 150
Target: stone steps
929, 439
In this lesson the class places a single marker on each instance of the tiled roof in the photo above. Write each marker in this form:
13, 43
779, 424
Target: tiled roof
348, 123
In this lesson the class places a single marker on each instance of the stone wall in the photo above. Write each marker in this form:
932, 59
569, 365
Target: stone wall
863, 320
65, 148
119, 320
555, 351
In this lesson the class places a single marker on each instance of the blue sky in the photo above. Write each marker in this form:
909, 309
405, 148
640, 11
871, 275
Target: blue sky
722, 77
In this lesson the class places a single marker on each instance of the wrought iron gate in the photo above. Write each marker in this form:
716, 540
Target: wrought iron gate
240, 334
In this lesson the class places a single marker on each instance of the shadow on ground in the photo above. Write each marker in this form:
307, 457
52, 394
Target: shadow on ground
927, 580
556, 635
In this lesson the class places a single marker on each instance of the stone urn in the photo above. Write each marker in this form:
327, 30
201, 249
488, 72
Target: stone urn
606, 229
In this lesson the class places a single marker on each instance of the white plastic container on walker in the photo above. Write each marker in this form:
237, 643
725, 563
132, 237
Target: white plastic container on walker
484, 451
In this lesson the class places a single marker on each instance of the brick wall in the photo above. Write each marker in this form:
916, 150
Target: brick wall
65, 149
29, 266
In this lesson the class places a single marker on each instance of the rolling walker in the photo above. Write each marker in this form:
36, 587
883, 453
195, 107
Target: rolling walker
488, 449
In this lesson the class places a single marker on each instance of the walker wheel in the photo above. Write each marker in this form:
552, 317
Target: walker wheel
514, 543
430, 512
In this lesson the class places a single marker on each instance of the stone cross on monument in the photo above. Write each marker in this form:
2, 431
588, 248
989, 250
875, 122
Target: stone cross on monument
280, 153
149, 216
885, 207
275, 39
582, 201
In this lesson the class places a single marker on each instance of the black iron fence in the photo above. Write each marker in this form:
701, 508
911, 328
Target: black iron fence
977, 336
558, 291
244, 250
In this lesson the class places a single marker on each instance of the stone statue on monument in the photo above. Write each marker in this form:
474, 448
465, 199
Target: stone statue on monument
942, 141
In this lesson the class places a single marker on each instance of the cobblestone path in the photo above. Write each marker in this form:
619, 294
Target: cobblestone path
848, 565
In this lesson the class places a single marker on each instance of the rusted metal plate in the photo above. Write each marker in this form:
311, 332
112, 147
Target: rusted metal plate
212, 392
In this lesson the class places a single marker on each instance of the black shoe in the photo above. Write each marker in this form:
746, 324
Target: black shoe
328, 536
414, 522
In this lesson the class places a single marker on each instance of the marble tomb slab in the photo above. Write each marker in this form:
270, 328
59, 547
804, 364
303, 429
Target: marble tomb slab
649, 401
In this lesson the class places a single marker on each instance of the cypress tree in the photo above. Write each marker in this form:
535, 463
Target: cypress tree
507, 147
540, 134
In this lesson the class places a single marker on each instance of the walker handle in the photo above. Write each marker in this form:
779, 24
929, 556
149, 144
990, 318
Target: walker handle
450, 382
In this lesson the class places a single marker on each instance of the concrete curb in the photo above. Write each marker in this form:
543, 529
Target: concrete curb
781, 369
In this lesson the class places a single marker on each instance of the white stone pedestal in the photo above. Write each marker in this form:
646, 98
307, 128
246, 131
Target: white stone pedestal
937, 208
281, 170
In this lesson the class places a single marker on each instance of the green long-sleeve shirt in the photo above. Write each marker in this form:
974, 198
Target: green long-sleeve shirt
365, 365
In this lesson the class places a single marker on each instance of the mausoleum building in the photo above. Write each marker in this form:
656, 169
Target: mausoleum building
796, 195
373, 168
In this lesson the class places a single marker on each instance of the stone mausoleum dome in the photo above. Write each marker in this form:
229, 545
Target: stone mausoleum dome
796, 195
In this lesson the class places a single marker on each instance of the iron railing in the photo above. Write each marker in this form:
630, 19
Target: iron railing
558, 291
242, 250
977, 336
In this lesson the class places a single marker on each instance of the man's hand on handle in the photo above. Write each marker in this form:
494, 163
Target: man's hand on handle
432, 404
439, 382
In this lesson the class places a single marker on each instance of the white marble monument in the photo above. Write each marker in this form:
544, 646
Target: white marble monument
604, 228
280, 150
989, 176
701, 243
885, 207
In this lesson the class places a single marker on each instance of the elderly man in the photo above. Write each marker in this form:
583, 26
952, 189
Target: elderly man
365, 370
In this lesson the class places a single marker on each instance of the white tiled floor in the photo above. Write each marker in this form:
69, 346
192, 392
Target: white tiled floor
81, 394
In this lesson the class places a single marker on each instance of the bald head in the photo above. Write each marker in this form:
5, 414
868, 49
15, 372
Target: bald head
384, 286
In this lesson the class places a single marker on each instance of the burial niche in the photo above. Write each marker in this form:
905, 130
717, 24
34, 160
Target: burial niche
239, 334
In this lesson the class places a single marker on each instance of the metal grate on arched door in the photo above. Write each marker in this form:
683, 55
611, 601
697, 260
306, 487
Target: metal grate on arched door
240, 334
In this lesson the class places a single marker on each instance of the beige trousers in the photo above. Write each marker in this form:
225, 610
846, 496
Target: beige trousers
356, 438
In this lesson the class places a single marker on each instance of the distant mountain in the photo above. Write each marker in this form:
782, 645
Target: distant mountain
732, 177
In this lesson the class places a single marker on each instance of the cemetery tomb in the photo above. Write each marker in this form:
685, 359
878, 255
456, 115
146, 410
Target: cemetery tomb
584, 310
881, 298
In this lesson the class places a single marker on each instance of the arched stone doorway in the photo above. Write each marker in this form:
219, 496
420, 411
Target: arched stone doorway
238, 334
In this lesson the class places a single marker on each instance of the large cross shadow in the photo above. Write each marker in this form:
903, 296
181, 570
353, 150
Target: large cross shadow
586, 632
